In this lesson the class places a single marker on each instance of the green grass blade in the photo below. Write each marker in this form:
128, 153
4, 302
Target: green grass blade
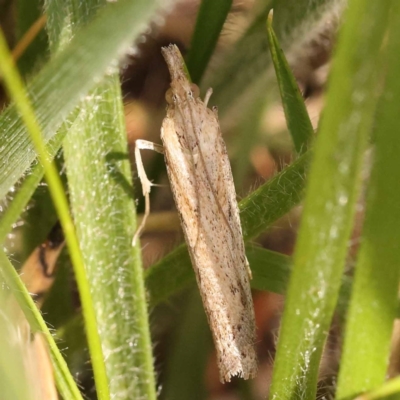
296, 114
13, 211
56, 90
189, 354
174, 272
101, 200
210, 20
374, 301
17, 92
65, 382
270, 270
274, 199
334, 180
96, 144
389, 390
245, 72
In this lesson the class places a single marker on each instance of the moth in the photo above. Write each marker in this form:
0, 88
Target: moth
201, 180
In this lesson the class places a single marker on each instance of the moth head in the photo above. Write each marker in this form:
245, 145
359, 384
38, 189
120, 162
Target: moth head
192, 92
170, 97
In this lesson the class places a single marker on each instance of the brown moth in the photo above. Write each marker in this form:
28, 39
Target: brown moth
202, 184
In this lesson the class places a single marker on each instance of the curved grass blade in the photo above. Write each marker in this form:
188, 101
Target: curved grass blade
374, 300
16, 90
274, 199
389, 390
334, 180
270, 272
210, 20
13, 211
296, 114
65, 382
246, 70
57, 89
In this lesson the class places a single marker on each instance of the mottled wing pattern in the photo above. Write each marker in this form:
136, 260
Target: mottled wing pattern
182, 179
199, 170
201, 180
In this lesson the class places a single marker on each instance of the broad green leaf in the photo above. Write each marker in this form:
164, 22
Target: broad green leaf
374, 300
331, 196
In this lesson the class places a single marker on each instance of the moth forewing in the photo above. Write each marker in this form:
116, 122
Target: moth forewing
202, 184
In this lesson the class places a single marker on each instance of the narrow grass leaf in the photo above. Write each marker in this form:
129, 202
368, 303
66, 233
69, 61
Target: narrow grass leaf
13, 211
65, 382
389, 390
374, 300
274, 199
188, 354
246, 70
17, 92
57, 89
270, 272
332, 192
296, 114
210, 20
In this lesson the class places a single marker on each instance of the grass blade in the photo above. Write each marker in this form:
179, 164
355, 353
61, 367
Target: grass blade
64, 380
274, 199
210, 20
374, 301
246, 70
334, 180
270, 272
56, 90
388, 390
13, 211
96, 143
189, 355
103, 210
17, 93
296, 114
